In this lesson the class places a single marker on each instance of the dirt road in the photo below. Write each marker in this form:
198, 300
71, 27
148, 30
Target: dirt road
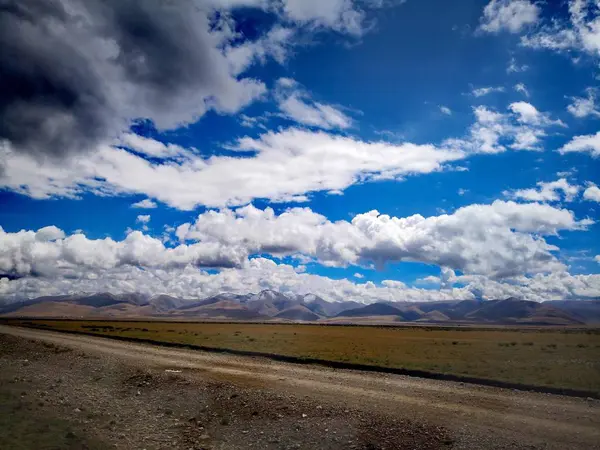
302, 406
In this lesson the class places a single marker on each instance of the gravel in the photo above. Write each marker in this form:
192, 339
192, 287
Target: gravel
120, 395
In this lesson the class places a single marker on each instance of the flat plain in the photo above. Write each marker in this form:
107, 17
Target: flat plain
79, 391
545, 357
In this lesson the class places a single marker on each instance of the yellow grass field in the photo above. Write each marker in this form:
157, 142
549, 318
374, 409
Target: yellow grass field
567, 358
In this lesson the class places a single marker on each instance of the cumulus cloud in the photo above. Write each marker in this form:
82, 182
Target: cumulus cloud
144, 204
494, 132
189, 282
480, 92
585, 144
75, 73
592, 193
501, 239
261, 273
528, 114
498, 240
285, 166
581, 32
540, 287
50, 252
445, 110
581, 107
509, 15
296, 104
143, 218
552, 191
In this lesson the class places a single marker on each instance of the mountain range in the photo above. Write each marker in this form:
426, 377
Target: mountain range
269, 305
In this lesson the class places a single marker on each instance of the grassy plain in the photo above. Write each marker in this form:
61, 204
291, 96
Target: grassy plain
564, 358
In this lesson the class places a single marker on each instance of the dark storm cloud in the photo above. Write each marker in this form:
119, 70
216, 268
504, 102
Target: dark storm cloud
75, 72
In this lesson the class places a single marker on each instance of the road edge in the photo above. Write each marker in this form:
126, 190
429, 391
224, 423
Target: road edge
581, 393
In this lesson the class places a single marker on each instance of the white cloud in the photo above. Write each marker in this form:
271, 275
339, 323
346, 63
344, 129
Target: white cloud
597, 258
48, 252
144, 220
592, 193
445, 110
493, 132
296, 104
260, 273
189, 282
520, 87
513, 67
580, 33
276, 43
509, 15
252, 122
287, 165
480, 92
462, 191
339, 15
343, 16
494, 239
498, 240
567, 173
151, 147
50, 233
144, 204
528, 114
583, 107
540, 287
358, 275
547, 192
586, 144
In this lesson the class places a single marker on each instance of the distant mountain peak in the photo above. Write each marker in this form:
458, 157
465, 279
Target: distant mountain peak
269, 303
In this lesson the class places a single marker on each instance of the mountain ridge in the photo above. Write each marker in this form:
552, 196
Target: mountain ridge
278, 306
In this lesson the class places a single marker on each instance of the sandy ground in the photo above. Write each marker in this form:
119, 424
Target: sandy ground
112, 394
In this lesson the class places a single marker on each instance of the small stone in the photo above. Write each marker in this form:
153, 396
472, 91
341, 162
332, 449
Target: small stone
319, 407
304, 416
77, 410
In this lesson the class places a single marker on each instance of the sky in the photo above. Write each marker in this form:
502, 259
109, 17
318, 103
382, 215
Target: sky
359, 150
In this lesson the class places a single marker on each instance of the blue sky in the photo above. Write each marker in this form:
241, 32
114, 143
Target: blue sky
475, 130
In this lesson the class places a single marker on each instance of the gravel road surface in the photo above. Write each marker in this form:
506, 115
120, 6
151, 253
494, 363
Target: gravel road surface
113, 394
